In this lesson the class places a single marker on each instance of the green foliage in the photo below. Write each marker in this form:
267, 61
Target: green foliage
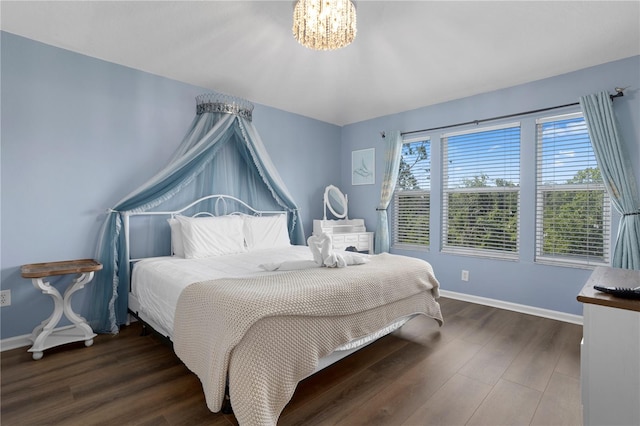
416, 153
483, 220
572, 223
406, 179
413, 196
488, 219
588, 175
572, 218
476, 182
413, 227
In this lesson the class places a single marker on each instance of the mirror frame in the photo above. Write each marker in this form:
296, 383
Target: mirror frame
339, 196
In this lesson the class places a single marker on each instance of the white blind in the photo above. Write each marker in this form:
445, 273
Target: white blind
481, 191
573, 212
411, 199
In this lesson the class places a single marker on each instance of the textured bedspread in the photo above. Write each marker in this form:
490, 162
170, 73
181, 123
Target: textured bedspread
268, 332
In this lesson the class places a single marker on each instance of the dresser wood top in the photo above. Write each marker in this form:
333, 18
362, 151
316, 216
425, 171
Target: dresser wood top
610, 277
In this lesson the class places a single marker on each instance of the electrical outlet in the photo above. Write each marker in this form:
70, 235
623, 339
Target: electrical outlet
5, 297
465, 275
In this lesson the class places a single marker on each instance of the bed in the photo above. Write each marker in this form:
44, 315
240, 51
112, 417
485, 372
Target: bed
252, 315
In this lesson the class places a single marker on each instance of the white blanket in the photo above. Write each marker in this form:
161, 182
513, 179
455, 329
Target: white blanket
268, 332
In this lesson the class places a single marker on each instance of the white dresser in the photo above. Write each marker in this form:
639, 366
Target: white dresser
346, 233
610, 352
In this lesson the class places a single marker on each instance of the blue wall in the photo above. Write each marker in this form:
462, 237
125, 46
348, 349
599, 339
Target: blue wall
78, 134
522, 281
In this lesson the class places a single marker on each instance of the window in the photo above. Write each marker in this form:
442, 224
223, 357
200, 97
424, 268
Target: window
481, 191
411, 196
573, 212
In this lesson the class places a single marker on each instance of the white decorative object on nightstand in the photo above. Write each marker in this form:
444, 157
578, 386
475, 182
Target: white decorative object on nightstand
345, 233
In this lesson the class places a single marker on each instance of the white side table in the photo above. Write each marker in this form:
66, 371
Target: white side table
45, 336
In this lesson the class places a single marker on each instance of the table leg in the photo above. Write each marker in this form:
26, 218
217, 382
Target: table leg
76, 319
80, 330
42, 331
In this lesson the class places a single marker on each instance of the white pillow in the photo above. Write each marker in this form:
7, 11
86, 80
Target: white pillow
265, 232
177, 246
211, 236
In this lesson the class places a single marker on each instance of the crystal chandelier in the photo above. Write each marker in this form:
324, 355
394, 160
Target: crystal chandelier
324, 24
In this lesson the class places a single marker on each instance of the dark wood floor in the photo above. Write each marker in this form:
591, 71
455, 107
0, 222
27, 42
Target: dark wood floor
484, 366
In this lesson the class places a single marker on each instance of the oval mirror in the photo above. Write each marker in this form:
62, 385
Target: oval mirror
336, 201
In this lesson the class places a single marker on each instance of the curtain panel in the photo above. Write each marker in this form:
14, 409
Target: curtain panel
617, 174
220, 153
393, 146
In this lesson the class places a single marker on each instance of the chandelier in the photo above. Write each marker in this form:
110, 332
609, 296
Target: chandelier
324, 24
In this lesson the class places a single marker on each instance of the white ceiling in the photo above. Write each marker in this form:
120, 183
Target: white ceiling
406, 54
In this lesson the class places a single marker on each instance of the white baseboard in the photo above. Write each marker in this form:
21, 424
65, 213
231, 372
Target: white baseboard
531, 310
25, 340
15, 342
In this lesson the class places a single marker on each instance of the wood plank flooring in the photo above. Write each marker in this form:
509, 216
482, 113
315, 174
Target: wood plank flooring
485, 366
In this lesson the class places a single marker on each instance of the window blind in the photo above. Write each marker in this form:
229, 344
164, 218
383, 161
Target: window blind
411, 200
481, 191
573, 211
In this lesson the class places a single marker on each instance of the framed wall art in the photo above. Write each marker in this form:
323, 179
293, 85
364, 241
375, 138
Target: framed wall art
363, 167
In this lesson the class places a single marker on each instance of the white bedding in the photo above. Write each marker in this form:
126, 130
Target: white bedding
263, 334
157, 282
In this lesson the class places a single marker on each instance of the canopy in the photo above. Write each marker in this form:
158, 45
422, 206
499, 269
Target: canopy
221, 153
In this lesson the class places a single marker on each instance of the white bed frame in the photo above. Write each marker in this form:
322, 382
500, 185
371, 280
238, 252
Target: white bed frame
220, 208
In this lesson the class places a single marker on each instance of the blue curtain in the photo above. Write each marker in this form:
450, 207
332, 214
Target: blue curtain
617, 174
220, 153
393, 145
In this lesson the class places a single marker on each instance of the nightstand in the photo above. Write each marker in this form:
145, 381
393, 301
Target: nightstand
45, 336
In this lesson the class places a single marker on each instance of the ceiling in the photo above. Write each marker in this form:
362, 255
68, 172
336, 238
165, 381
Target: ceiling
405, 55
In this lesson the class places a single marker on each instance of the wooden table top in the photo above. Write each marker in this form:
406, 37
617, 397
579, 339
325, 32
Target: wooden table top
611, 277
41, 270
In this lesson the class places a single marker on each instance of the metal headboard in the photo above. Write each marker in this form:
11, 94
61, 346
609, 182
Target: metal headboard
221, 207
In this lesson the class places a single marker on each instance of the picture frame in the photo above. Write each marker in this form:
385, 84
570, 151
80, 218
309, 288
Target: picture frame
363, 167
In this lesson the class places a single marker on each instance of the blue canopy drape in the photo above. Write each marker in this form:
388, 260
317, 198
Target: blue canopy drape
617, 174
221, 152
